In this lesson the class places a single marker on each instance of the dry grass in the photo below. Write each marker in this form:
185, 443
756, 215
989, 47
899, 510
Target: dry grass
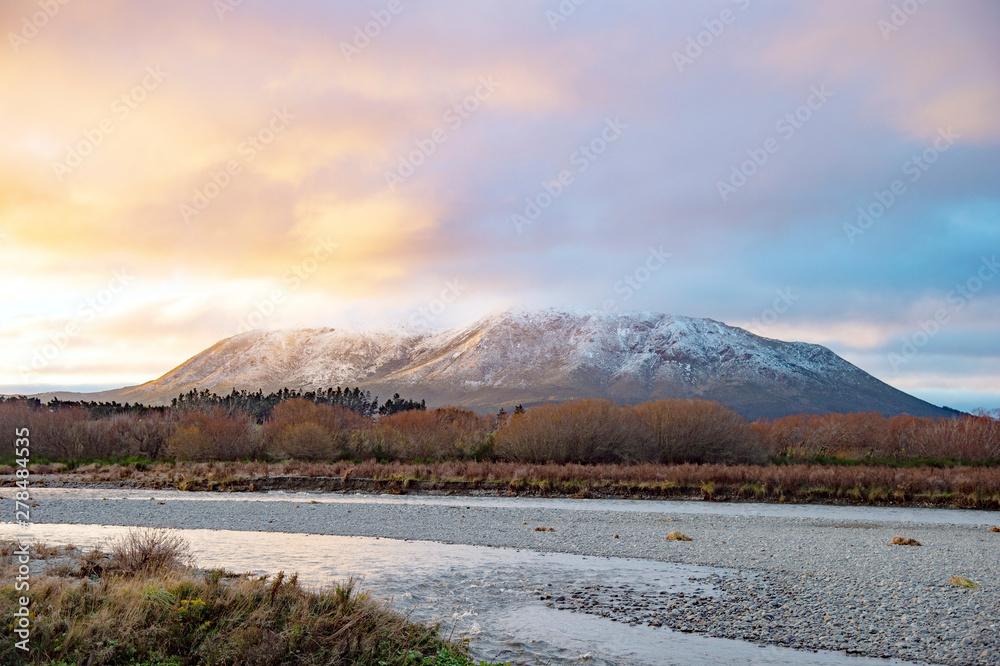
92, 564
904, 541
962, 581
43, 551
965, 487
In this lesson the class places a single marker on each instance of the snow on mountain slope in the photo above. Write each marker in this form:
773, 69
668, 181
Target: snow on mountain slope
535, 356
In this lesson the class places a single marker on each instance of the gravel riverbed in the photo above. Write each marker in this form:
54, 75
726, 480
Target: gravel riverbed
805, 582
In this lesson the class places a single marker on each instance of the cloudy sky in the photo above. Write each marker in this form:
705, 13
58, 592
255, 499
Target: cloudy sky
173, 173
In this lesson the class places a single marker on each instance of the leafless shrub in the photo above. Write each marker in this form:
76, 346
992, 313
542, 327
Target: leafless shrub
599, 431
870, 435
148, 551
302, 430
131, 434
13, 415
579, 432
696, 431
439, 434
582, 431
214, 435
58, 433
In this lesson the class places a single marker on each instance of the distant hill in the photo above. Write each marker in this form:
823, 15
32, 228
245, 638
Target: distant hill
541, 356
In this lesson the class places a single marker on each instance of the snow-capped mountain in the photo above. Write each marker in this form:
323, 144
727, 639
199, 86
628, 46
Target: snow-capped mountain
549, 355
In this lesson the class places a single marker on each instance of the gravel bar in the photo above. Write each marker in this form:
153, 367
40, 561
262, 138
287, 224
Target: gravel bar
809, 583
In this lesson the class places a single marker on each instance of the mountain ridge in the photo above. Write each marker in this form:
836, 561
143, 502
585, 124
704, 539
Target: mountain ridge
539, 356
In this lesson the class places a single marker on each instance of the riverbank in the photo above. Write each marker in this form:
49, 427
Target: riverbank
961, 487
809, 581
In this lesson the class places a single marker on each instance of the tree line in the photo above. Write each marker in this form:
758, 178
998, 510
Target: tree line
260, 406
255, 404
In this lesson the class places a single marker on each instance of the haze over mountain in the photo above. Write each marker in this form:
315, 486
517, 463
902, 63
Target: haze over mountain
538, 356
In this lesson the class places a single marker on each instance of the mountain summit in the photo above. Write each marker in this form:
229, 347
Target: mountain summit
548, 355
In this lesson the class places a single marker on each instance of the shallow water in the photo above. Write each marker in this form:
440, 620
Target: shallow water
695, 507
488, 595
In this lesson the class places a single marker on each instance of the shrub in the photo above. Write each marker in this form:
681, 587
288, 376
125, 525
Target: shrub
696, 431
584, 431
58, 433
448, 433
870, 435
134, 435
148, 551
14, 414
303, 430
214, 435
599, 431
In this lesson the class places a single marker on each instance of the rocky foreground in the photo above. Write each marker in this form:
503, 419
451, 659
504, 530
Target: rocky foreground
811, 582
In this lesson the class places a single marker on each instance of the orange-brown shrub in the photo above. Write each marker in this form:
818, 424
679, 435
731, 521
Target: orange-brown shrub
302, 430
214, 435
976, 437
696, 431
14, 415
586, 431
806, 435
68, 433
133, 435
439, 434
871, 435
582, 431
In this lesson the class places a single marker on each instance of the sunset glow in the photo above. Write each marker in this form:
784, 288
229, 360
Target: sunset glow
174, 173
